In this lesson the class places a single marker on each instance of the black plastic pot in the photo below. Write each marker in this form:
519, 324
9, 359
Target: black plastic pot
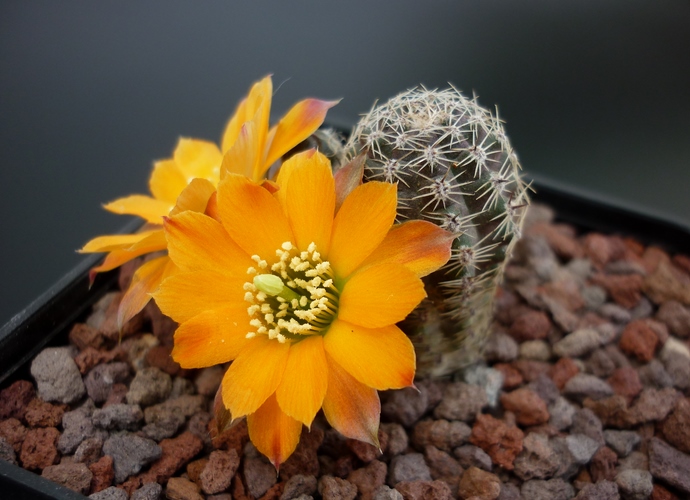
46, 321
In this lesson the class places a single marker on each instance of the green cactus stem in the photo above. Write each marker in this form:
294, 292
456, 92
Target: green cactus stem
454, 166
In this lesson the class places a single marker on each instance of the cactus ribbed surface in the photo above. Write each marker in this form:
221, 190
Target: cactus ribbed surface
454, 166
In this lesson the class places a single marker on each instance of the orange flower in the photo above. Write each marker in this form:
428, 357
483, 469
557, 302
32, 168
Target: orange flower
188, 179
303, 295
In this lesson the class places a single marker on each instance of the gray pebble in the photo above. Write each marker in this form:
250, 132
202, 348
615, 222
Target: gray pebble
298, 485
149, 491
577, 343
581, 447
622, 442
101, 378
587, 423
118, 416
488, 379
594, 297
561, 412
583, 386
410, 467
615, 313
545, 388
110, 493
600, 363
501, 348
537, 460
461, 402
89, 451
473, 456
643, 309
676, 317
130, 454
635, 484
181, 387
387, 493
259, 475
77, 426
509, 491
601, 490
57, 376
538, 350
553, 489
7, 452
653, 374
636, 460
149, 386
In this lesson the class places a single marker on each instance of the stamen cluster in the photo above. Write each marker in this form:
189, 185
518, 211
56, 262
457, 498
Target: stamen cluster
294, 297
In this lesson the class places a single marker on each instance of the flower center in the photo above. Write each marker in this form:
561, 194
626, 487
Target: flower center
294, 298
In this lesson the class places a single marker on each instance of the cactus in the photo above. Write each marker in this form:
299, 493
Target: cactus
454, 166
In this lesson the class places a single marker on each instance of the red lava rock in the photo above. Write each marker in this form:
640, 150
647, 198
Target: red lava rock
676, 428
273, 493
159, 357
639, 340
75, 476
194, 469
603, 249
366, 452
117, 395
565, 292
179, 488
682, 261
424, 490
532, 325
476, 483
39, 449
624, 289
42, 414
563, 370
531, 369
626, 382
442, 434
335, 488
528, 407
90, 357
511, 377
83, 336
163, 327
233, 438
368, 479
560, 239
176, 452
666, 283
661, 493
612, 411
676, 317
633, 246
14, 433
500, 441
218, 472
304, 459
103, 473
15, 398
603, 465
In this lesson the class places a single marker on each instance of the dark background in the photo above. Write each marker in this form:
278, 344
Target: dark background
596, 94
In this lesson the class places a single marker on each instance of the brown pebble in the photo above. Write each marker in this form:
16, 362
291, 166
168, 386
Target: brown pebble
83, 336
368, 479
436, 490
500, 441
218, 472
176, 452
676, 428
14, 433
15, 398
531, 369
160, 357
75, 476
624, 289
666, 283
562, 371
639, 340
42, 414
365, 451
39, 449
179, 488
304, 460
103, 473
511, 377
532, 325
528, 407
661, 493
194, 469
626, 382
603, 465
476, 483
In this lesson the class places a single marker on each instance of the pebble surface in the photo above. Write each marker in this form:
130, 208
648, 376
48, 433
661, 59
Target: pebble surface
584, 393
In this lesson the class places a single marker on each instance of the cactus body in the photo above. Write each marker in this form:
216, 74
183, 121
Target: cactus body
454, 166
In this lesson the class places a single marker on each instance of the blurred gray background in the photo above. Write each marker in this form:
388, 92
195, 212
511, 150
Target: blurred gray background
596, 94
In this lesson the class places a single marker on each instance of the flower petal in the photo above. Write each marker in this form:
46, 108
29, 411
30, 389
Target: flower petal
418, 245
198, 242
310, 199
347, 178
146, 279
212, 337
252, 217
242, 156
197, 158
143, 206
299, 123
112, 242
274, 433
166, 182
194, 196
232, 129
352, 408
254, 375
187, 294
382, 358
361, 225
153, 242
380, 295
303, 387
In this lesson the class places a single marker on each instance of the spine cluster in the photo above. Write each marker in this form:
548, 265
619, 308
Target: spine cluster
454, 166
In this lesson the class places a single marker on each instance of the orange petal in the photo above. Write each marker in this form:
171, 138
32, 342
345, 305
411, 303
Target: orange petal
254, 375
212, 337
252, 217
361, 225
166, 182
114, 259
274, 433
143, 206
352, 408
347, 178
198, 242
303, 387
197, 158
382, 358
112, 242
232, 129
299, 123
194, 197
145, 280
380, 295
242, 156
419, 245
187, 294
310, 199
153, 242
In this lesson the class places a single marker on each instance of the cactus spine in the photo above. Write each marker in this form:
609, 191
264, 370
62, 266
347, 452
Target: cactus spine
454, 166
